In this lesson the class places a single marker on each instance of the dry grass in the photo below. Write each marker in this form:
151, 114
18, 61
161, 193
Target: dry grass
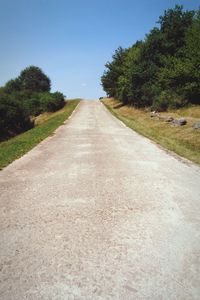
47, 116
184, 140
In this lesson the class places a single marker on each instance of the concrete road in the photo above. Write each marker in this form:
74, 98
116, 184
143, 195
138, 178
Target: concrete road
99, 212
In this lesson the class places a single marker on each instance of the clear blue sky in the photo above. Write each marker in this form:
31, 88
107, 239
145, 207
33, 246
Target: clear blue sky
71, 40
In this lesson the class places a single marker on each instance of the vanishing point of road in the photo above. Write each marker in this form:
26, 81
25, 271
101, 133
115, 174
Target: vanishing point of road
97, 211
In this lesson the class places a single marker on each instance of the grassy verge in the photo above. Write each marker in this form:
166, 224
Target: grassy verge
45, 125
183, 140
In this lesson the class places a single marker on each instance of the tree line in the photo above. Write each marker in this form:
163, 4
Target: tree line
25, 97
163, 70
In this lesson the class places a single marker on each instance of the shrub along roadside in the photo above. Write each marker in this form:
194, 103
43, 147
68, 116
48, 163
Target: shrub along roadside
23, 98
19, 145
185, 141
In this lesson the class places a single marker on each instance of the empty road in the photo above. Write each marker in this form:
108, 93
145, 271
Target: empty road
97, 211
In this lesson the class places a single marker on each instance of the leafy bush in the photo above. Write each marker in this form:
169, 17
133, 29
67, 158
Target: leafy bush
51, 101
13, 118
168, 99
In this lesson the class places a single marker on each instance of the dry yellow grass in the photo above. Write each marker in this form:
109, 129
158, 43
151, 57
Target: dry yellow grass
47, 116
184, 140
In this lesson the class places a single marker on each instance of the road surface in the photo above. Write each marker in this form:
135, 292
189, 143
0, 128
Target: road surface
97, 211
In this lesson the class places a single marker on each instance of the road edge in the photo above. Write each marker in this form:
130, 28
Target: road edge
168, 151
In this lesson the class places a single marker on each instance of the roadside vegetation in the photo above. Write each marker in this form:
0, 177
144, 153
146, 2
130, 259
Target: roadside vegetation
157, 83
24, 98
45, 125
183, 140
163, 70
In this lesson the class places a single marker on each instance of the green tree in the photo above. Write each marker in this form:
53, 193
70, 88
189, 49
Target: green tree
164, 69
114, 71
192, 61
180, 74
173, 26
34, 80
26, 96
13, 85
143, 67
129, 81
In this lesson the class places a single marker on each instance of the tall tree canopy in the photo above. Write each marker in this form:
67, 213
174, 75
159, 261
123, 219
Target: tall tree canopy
31, 79
34, 80
164, 67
